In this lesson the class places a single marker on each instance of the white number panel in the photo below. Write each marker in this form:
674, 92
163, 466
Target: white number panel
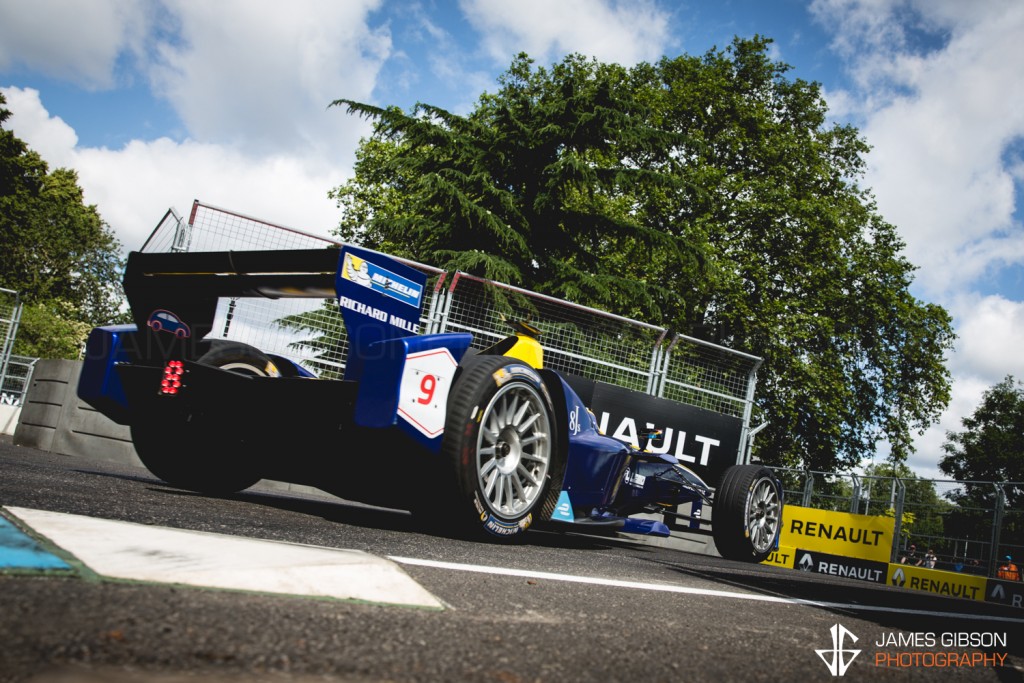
423, 394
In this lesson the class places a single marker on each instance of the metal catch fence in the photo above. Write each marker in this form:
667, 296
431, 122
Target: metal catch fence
10, 317
970, 526
16, 379
576, 339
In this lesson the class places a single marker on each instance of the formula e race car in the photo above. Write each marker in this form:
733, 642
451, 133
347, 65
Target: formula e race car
481, 442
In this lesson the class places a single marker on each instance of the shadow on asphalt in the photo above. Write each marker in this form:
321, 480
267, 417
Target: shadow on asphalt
353, 513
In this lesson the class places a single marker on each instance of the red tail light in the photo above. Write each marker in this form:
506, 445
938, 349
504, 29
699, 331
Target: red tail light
174, 372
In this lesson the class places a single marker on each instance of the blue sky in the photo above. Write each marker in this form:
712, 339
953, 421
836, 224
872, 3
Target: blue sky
157, 102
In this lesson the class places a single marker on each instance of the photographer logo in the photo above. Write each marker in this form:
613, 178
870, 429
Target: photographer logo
836, 658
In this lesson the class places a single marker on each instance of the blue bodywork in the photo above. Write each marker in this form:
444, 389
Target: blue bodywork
606, 481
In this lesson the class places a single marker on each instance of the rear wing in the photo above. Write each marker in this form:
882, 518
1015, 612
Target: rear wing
173, 296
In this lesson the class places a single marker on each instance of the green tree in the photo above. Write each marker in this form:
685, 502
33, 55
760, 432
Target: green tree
707, 194
526, 190
989, 452
58, 254
50, 330
991, 446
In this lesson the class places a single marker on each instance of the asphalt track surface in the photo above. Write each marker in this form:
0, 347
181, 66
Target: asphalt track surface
557, 607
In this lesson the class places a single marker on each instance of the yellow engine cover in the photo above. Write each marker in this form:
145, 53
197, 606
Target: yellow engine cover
528, 350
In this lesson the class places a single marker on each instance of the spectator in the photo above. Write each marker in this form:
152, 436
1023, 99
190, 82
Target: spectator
1008, 571
911, 556
930, 559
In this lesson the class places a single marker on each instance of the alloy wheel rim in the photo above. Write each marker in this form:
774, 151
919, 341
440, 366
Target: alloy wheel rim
763, 517
513, 451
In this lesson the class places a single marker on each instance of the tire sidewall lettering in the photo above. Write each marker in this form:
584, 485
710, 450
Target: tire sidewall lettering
500, 527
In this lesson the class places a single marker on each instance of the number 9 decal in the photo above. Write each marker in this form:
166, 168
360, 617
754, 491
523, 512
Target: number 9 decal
427, 387
423, 390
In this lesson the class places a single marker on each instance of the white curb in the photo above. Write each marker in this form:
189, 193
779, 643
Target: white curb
125, 550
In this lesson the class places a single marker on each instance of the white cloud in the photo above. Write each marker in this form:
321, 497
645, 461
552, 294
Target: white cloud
622, 32
936, 87
250, 79
51, 137
940, 116
133, 186
262, 74
71, 40
991, 333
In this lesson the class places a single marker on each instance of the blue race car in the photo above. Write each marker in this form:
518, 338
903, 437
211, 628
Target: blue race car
485, 443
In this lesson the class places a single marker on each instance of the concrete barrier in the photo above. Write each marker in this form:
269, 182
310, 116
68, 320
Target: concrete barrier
54, 419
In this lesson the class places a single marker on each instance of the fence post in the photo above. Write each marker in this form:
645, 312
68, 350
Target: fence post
899, 492
434, 323
666, 356
808, 489
997, 524
183, 231
446, 304
10, 333
855, 494
654, 372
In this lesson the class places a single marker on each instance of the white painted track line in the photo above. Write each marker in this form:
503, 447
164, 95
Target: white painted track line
124, 550
688, 590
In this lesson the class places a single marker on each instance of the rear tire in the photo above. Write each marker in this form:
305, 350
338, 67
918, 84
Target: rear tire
746, 517
191, 457
202, 455
241, 358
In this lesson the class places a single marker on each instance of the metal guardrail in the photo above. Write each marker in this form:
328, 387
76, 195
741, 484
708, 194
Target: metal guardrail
16, 380
10, 317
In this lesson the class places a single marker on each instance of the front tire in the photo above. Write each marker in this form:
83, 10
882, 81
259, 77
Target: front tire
746, 516
501, 448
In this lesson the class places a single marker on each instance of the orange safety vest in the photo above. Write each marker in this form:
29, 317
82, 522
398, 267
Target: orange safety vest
1008, 572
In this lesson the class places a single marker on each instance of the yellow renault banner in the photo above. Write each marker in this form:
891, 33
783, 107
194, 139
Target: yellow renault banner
781, 557
838, 533
937, 581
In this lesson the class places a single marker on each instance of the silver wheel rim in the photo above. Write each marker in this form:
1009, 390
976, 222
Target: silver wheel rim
513, 450
763, 515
